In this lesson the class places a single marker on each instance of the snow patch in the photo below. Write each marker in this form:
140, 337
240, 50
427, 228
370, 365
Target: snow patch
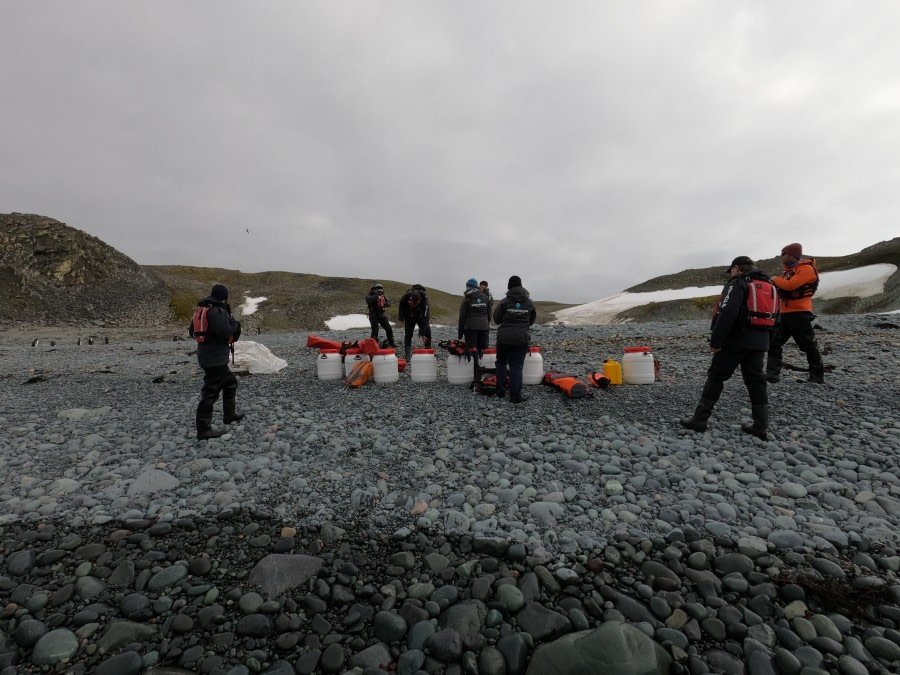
250, 305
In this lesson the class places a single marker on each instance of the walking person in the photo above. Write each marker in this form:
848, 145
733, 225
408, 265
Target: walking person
215, 331
514, 316
796, 287
377, 302
413, 311
734, 342
474, 318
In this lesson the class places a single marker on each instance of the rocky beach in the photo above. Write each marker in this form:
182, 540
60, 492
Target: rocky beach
422, 528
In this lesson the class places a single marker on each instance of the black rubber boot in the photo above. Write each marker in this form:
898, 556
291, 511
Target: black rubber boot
760, 422
407, 350
816, 375
208, 432
698, 422
231, 414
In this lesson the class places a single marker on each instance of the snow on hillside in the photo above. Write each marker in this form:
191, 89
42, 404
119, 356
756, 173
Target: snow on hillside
861, 282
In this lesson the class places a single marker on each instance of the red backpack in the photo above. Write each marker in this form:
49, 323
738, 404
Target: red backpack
200, 325
762, 304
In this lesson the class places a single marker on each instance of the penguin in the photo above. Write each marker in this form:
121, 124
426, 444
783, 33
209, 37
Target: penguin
90, 340
106, 340
79, 342
35, 342
52, 343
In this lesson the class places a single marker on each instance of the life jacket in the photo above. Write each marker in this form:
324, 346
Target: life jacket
368, 346
457, 348
485, 381
361, 373
808, 289
761, 308
569, 384
599, 380
199, 328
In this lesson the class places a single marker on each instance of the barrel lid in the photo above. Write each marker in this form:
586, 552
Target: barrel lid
535, 350
385, 352
329, 351
423, 351
637, 350
488, 351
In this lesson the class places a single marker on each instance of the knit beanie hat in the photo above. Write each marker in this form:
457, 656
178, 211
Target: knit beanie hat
219, 292
513, 282
472, 283
794, 250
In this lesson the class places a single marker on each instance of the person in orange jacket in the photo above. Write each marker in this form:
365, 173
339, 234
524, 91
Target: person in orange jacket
796, 288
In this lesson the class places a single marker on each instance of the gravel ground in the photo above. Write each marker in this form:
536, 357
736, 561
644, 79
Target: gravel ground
422, 528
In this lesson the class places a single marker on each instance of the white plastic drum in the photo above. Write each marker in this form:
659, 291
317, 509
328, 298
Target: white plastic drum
638, 366
489, 358
460, 370
533, 370
329, 365
351, 358
423, 366
385, 364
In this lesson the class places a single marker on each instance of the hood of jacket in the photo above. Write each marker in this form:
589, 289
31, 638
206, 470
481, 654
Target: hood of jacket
517, 293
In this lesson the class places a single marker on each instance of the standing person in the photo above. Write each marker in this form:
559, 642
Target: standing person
483, 285
377, 302
514, 317
734, 342
796, 287
474, 318
413, 311
215, 330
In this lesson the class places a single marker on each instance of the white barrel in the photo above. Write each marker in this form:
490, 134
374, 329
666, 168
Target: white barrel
423, 366
460, 370
533, 370
329, 365
351, 358
489, 358
386, 368
638, 366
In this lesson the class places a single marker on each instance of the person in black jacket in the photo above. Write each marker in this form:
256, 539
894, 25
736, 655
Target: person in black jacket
514, 316
220, 331
413, 311
474, 318
377, 302
733, 342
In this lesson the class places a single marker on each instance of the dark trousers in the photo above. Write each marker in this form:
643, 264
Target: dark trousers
424, 333
514, 357
477, 339
216, 380
375, 321
725, 362
797, 325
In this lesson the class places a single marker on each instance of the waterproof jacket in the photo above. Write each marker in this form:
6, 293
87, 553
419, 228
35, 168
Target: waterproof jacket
729, 325
377, 304
407, 310
796, 286
514, 316
474, 311
221, 329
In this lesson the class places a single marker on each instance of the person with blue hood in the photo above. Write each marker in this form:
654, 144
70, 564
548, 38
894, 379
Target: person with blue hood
514, 317
474, 318
215, 331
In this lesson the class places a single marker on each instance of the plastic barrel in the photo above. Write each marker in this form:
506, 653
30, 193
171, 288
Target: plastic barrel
460, 370
489, 358
533, 370
423, 366
329, 365
351, 358
385, 364
638, 366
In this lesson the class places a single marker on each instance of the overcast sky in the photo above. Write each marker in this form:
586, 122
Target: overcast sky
585, 146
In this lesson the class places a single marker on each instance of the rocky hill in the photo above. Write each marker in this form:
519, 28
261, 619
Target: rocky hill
53, 274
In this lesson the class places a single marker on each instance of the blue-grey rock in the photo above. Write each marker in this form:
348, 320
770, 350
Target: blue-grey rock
614, 647
280, 572
53, 647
